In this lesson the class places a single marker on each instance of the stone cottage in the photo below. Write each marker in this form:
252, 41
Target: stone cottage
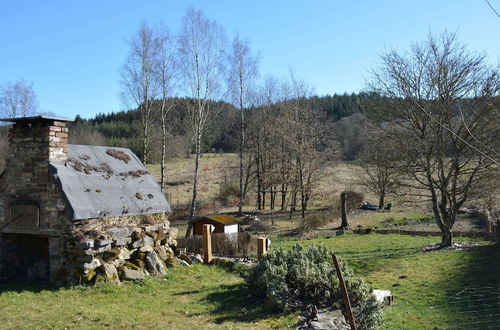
76, 213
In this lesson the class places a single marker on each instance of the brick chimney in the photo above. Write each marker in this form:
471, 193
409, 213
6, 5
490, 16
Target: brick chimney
33, 143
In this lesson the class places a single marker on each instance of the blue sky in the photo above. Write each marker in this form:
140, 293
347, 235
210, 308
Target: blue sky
73, 50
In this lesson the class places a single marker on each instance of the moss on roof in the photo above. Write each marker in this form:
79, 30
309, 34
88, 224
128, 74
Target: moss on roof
223, 218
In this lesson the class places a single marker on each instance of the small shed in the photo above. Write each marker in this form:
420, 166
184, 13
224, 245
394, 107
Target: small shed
223, 224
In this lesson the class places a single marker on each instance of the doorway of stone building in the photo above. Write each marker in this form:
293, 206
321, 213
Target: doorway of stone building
24, 258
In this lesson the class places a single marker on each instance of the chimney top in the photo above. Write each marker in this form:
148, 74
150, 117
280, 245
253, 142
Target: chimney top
35, 119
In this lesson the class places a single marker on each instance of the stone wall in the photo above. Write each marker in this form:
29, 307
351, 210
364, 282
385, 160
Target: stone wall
119, 249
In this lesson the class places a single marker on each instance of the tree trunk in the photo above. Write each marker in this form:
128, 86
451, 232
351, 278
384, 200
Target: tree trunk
192, 209
293, 203
446, 237
283, 197
145, 141
271, 202
381, 202
242, 142
163, 152
343, 209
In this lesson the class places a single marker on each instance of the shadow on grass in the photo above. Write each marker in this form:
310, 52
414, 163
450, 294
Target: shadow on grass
471, 296
27, 286
235, 303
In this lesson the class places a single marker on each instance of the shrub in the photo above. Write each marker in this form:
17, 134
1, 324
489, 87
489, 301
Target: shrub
354, 200
313, 221
303, 277
229, 193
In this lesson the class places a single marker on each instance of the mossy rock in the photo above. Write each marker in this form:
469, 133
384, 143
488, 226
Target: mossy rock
89, 275
171, 261
153, 235
140, 263
111, 254
138, 255
100, 279
161, 233
130, 265
137, 235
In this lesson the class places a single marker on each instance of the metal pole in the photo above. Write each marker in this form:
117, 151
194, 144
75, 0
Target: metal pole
343, 290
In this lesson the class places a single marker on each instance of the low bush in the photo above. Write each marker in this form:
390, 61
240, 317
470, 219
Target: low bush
313, 221
300, 278
229, 193
354, 200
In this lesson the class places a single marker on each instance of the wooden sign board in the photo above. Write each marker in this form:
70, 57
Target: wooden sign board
24, 216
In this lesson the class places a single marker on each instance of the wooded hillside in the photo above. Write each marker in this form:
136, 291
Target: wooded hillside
121, 129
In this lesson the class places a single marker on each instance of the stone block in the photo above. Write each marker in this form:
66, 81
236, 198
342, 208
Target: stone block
85, 244
122, 241
102, 242
154, 264
132, 274
186, 258
92, 265
197, 259
110, 272
119, 233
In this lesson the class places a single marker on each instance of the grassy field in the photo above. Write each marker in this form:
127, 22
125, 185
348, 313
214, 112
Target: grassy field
215, 169
187, 298
426, 285
209, 297
422, 282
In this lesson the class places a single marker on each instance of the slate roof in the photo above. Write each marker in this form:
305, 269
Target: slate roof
223, 219
34, 118
101, 182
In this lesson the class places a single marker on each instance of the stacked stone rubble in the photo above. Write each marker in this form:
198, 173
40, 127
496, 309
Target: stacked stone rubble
122, 253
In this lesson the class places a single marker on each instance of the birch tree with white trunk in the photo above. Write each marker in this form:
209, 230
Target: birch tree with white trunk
139, 84
202, 54
243, 70
167, 76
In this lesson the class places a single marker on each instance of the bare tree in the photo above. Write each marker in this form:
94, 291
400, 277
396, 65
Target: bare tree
380, 164
243, 71
18, 100
440, 100
166, 74
138, 79
202, 53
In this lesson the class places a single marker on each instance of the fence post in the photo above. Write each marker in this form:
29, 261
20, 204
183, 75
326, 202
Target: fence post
345, 295
261, 246
207, 244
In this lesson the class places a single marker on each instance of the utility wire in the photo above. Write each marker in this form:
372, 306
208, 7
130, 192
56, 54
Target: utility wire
453, 133
489, 4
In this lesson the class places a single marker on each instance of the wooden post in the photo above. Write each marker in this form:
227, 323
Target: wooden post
261, 246
343, 209
345, 295
207, 244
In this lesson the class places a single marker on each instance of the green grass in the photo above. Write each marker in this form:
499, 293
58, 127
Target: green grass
430, 278
210, 297
187, 298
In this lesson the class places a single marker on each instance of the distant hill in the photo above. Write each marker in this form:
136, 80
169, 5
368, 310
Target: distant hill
122, 129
